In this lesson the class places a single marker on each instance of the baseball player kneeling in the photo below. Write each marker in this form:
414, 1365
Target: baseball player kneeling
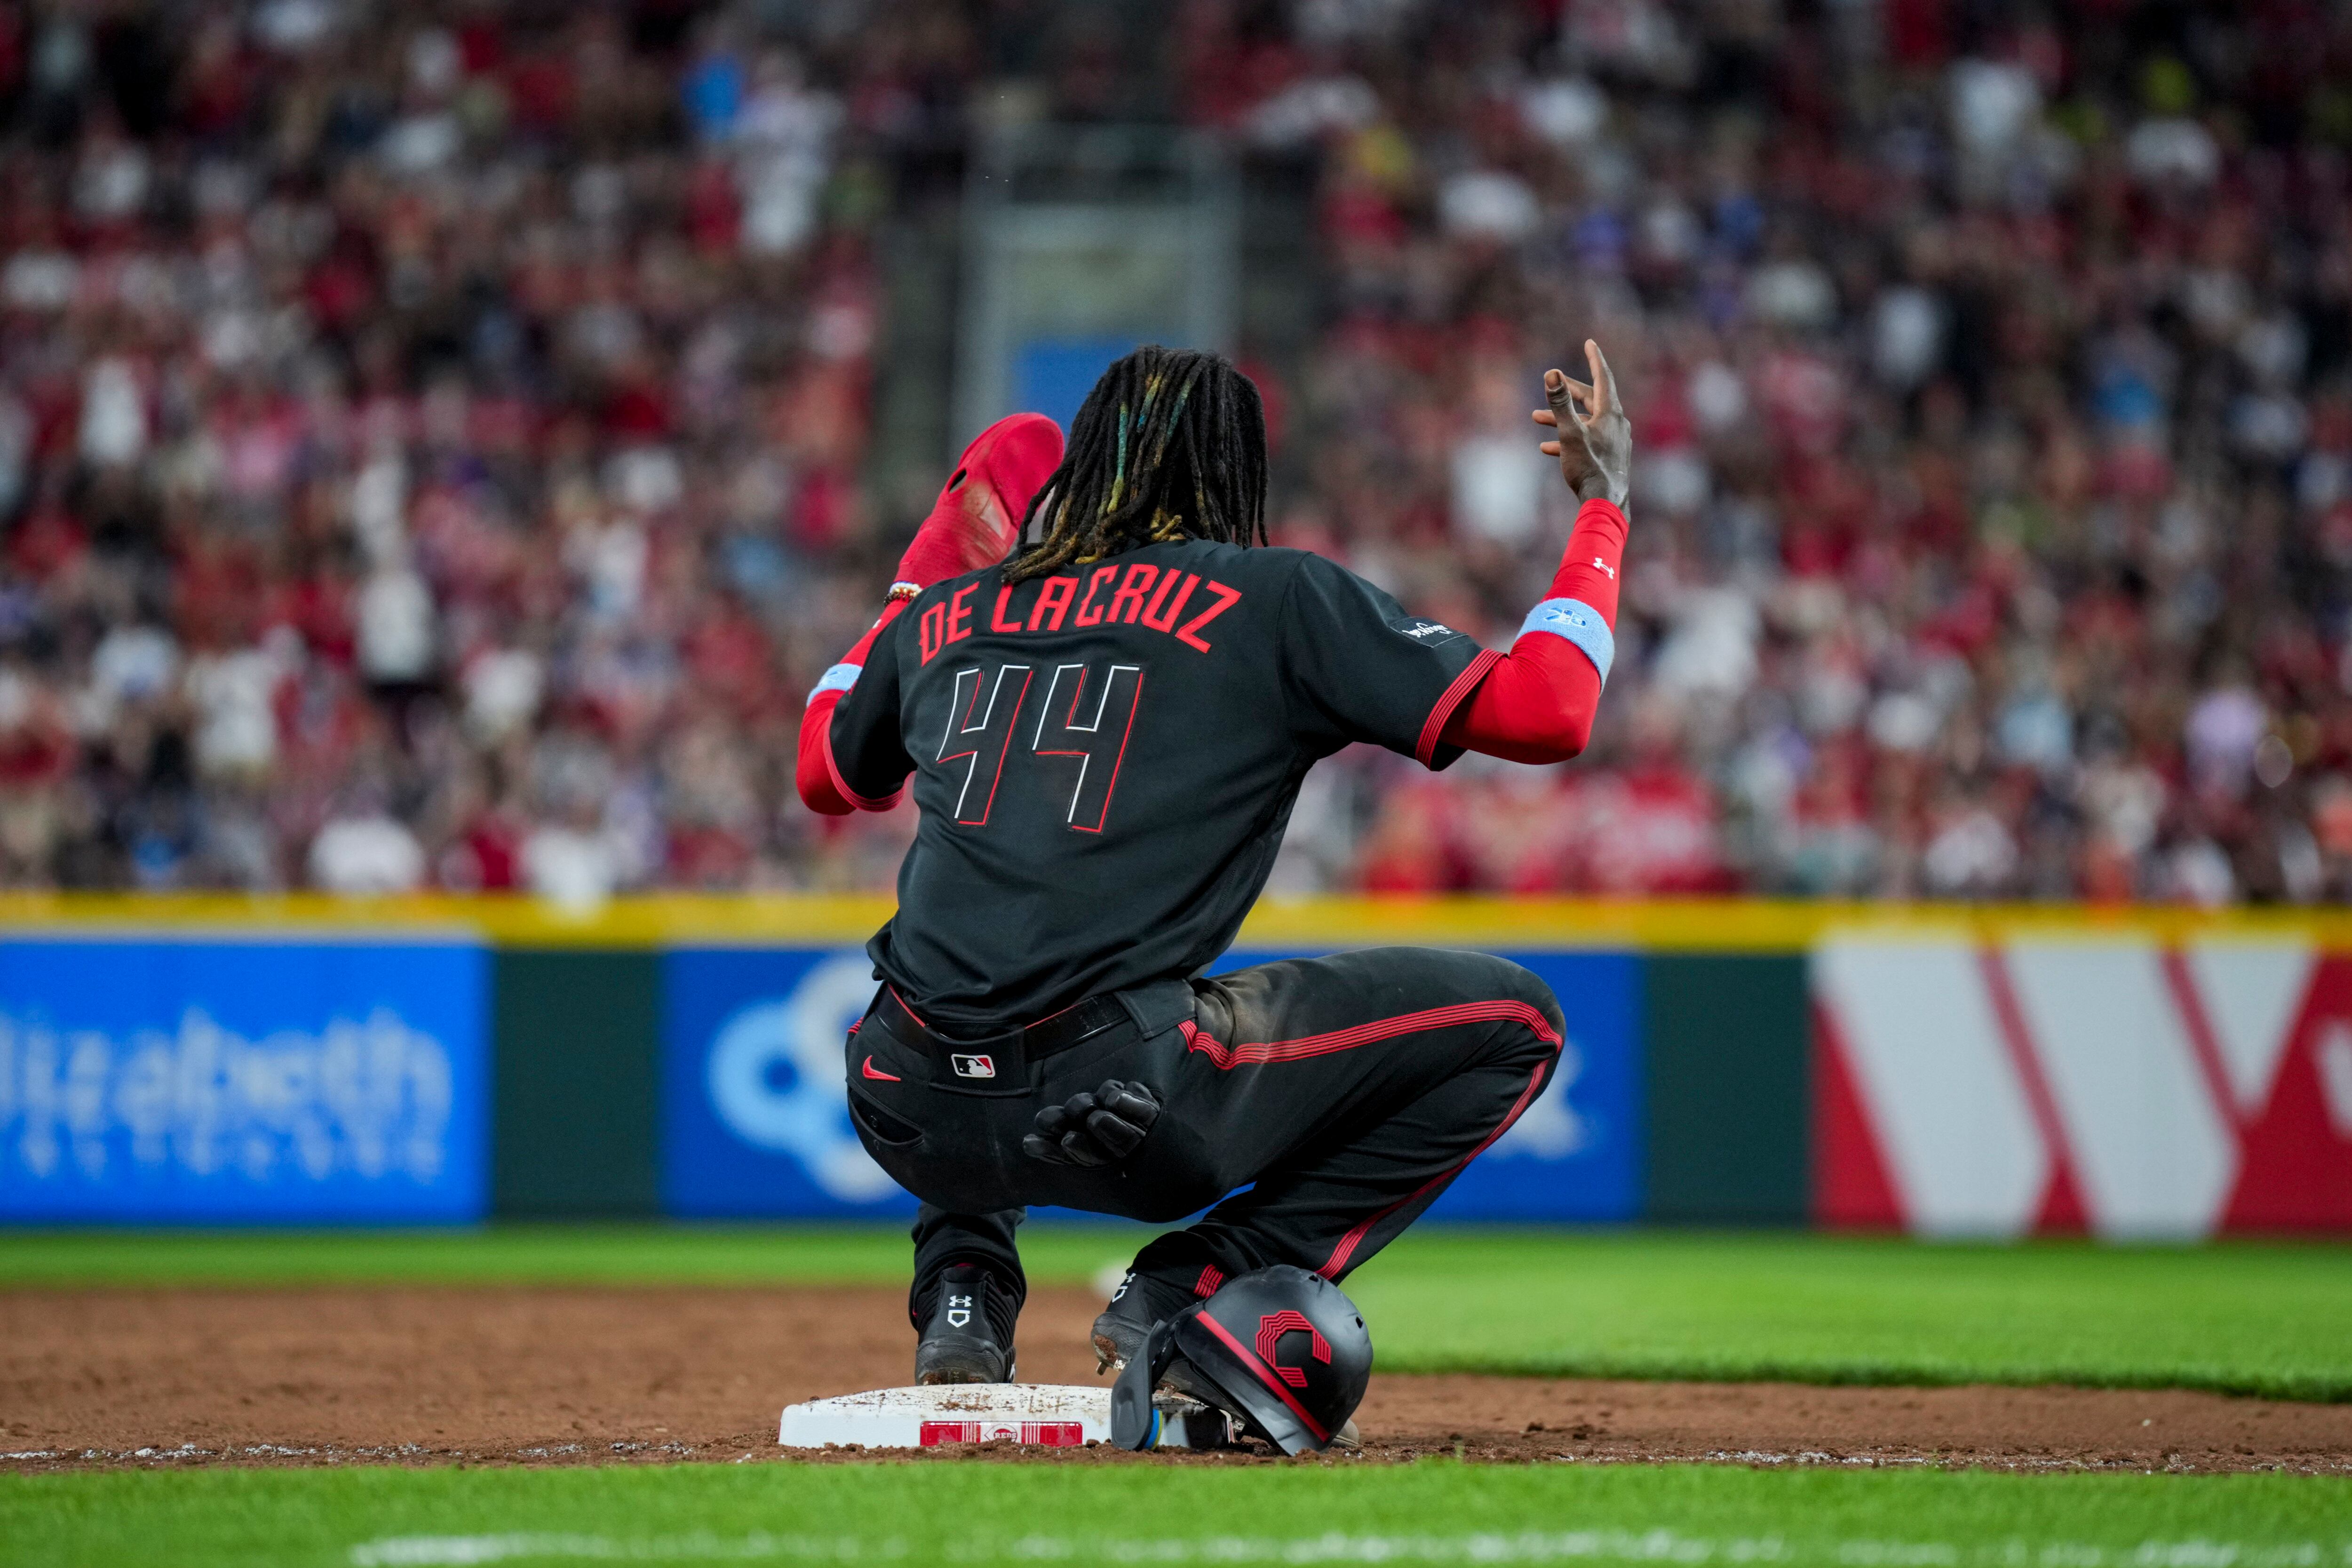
1106, 688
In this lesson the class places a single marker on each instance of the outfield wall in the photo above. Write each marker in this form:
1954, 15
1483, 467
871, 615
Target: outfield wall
1992, 1071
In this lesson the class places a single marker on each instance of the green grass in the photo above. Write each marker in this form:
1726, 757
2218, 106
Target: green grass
982, 1512
2237, 1318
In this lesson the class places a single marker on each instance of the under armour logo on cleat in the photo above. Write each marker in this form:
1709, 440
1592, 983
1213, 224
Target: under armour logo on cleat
958, 1311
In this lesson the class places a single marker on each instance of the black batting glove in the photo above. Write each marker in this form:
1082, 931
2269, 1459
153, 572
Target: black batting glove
1098, 1128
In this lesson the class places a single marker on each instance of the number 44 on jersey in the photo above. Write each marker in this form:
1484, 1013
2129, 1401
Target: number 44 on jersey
1072, 721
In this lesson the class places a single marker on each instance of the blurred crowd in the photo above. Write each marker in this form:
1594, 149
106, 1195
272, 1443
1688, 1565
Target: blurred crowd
434, 440
1991, 368
428, 435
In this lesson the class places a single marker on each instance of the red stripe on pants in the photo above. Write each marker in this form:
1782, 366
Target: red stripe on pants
1349, 1242
1258, 1052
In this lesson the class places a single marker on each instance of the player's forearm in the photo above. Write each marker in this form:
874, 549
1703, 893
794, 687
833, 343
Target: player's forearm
813, 773
1538, 702
1589, 566
1536, 705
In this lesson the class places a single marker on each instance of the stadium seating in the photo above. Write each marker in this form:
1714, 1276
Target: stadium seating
437, 443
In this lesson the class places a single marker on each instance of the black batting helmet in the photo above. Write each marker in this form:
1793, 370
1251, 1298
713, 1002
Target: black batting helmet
1287, 1348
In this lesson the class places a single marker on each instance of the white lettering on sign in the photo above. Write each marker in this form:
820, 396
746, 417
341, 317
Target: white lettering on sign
369, 1098
776, 1077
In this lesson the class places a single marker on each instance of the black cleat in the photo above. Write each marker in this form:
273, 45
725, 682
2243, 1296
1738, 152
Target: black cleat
969, 1336
1118, 1336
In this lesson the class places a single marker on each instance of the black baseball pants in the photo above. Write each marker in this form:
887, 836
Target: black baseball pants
1345, 1093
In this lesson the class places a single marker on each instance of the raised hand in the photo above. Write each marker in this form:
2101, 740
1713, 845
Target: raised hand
1595, 445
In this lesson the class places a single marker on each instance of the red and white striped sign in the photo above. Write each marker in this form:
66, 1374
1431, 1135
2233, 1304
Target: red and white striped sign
2118, 1087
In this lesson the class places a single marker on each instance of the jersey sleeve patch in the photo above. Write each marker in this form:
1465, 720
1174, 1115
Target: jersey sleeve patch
1426, 631
1578, 622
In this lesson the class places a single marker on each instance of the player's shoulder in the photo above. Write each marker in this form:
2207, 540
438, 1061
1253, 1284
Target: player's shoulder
1267, 563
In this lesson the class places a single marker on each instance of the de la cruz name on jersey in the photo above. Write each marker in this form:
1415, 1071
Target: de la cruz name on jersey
1105, 758
1149, 596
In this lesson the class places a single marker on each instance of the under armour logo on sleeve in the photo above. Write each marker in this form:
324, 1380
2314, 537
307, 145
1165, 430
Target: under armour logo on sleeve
1577, 622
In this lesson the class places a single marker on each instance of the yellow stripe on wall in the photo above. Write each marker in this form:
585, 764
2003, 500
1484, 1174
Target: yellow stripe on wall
654, 919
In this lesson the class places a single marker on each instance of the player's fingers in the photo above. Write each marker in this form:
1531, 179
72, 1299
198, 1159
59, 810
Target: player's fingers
1039, 1148
1051, 1120
1549, 448
1544, 417
1078, 1151
1604, 381
1117, 1136
1560, 393
1128, 1102
1568, 397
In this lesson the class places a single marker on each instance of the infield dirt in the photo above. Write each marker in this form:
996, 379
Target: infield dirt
478, 1374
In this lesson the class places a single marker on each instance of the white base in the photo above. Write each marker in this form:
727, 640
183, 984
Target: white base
1047, 1414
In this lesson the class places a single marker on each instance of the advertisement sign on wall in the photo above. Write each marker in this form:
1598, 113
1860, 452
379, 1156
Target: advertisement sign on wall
756, 1122
1576, 1155
2121, 1087
755, 1113
221, 1080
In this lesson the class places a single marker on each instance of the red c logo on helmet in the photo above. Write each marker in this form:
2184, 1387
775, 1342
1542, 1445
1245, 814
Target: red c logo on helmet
1270, 1329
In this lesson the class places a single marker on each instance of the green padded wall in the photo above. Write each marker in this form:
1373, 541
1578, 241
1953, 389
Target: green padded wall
1729, 1089
575, 1086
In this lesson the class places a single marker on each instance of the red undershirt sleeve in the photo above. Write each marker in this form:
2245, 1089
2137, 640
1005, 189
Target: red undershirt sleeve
816, 773
1537, 702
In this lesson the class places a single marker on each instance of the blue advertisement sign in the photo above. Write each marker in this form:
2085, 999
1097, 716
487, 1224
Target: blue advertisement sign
755, 1110
228, 1081
1575, 1154
755, 1119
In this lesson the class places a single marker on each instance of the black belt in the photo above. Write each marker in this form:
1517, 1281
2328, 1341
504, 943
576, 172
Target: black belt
1080, 1021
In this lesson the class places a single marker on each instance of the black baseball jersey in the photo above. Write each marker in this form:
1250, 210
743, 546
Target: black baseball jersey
1105, 759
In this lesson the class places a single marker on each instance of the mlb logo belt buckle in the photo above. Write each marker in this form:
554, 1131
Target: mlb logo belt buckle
973, 1066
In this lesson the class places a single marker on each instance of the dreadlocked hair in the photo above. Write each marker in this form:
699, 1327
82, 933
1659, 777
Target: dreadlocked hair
1171, 444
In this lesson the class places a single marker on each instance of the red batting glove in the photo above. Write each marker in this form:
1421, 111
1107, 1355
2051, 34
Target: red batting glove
974, 522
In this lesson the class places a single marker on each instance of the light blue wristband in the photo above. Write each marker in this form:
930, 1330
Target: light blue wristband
840, 678
1578, 622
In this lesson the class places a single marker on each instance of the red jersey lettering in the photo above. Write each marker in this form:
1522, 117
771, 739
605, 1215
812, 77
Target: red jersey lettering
996, 621
1151, 614
959, 612
1055, 595
1226, 599
1089, 613
1131, 589
930, 632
